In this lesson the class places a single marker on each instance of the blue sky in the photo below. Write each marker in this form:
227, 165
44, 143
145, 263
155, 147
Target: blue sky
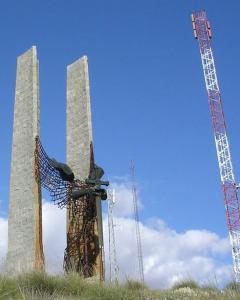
147, 90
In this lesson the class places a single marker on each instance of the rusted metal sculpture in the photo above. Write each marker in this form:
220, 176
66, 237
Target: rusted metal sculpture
80, 199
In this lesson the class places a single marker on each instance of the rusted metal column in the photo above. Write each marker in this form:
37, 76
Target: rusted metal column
84, 224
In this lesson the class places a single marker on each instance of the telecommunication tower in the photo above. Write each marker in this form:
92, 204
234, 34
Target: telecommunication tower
113, 267
136, 219
202, 32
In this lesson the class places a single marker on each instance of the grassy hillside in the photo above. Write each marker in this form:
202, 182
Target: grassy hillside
41, 286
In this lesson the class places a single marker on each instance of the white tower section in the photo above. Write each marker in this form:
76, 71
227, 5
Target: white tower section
113, 267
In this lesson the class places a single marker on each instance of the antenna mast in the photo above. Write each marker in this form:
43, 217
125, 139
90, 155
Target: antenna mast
136, 219
202, 32
113, 267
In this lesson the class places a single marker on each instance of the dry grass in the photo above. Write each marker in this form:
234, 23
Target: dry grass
38, 286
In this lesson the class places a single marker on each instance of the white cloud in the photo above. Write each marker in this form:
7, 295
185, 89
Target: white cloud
123, 196
3, 241
168, 255
54, 236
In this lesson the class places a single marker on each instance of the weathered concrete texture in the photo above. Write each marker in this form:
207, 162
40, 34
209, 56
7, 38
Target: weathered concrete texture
79, 124
79, 135
25, 252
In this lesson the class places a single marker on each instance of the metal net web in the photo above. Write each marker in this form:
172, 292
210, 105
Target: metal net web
50, 178
82, 242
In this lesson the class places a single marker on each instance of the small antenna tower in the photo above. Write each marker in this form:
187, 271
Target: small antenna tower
113, 267
136, 219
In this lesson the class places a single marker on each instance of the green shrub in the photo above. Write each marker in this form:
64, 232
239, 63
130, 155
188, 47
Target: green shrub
134, 285
40, 286
186, 284
233, 286
8, 287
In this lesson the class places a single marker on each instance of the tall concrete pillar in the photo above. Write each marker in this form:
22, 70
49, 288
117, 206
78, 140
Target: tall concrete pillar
79, 140
25, 251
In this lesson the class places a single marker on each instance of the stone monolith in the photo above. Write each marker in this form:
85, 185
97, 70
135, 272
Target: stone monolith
25, 250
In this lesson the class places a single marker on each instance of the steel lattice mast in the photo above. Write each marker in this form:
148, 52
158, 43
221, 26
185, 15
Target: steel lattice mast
136, 218
202, 32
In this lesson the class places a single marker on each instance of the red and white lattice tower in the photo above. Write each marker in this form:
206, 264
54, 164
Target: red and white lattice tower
202, 33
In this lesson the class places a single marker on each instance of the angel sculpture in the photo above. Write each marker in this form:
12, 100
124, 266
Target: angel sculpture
59, 179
